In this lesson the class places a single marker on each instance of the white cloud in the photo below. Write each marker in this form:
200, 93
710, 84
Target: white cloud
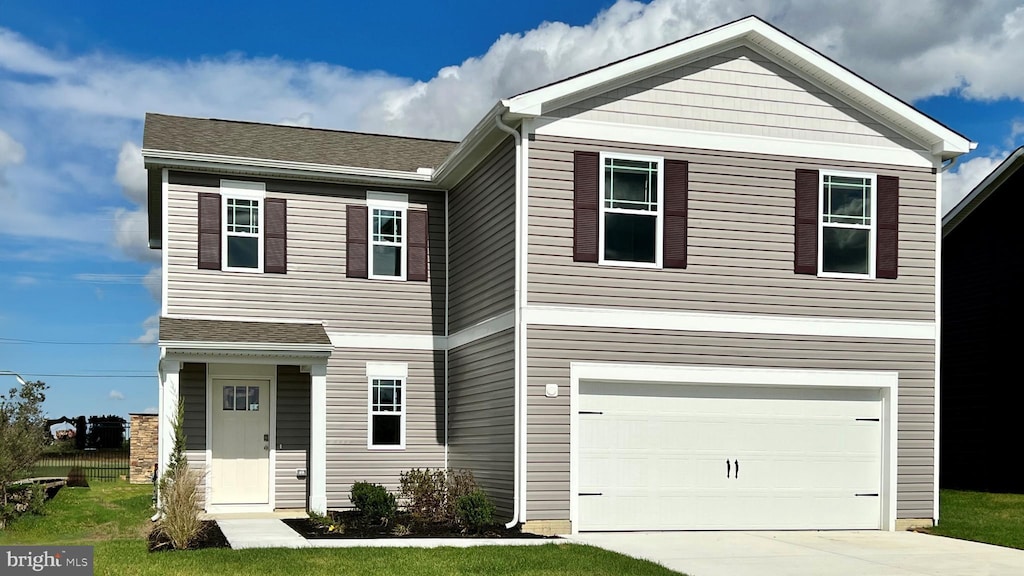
11, 151
153, 281
1016, 129
958, 182
115, 395
150, 410
151, 330
131, 173
24, 280
131, 235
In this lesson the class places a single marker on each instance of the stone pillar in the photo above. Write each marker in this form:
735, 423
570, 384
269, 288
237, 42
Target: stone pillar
144, 446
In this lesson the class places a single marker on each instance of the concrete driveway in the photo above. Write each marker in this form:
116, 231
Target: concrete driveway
832, 553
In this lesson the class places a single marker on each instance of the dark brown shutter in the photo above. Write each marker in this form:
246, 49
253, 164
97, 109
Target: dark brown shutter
356, 258
209, 231
805, 251
275, 236
586, 206
677, 185
416, 246
888, 240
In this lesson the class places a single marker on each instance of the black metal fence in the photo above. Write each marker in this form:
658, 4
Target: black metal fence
94, 464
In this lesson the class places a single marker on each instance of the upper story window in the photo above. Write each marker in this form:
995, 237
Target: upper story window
846, 224
387, 239
631, 210
847, 233
243, 233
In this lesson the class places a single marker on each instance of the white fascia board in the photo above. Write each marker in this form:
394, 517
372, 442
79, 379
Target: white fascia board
755, 32
638, 319
173, 158
384, 341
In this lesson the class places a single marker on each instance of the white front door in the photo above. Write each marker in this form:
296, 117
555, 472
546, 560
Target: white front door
240, 467
690, 457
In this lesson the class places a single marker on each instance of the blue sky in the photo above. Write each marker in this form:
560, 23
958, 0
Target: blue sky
78, 287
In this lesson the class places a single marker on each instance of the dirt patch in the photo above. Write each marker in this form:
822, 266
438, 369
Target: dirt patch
210, 537
351, 524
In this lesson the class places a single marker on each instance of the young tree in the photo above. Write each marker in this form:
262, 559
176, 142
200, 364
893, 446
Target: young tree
22, 431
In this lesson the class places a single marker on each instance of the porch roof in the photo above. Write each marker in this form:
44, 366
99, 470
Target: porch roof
195, 333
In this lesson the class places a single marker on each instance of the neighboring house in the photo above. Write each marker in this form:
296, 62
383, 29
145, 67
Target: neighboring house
692, 289
980, 408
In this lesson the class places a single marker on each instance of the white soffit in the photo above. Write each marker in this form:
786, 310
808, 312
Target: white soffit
759, 35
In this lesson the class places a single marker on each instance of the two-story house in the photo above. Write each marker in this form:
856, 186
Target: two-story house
692, 289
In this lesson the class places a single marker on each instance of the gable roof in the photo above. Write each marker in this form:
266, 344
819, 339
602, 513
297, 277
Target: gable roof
983, 190
773, 43
215, 139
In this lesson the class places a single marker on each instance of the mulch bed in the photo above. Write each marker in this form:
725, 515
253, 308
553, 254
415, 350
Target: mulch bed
210, 537
403, 526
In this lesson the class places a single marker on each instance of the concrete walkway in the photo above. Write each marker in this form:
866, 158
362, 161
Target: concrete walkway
260, 533
832, 553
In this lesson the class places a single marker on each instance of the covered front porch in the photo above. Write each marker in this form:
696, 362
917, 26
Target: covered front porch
252, 428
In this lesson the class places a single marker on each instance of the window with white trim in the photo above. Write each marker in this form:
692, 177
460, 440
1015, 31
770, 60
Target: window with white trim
387, 213
631, 210
386, 419
847, 226
243, 225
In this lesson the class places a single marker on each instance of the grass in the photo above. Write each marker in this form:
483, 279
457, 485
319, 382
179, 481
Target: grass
982, 517
113, 517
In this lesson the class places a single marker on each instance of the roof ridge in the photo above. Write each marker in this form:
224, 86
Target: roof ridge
314, 128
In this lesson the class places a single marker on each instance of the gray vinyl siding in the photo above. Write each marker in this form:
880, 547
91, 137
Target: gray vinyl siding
315, 286
482, 235
481, 415
197, 461
741, 212
293, 416
192, 387
551, 350
348, 458
739, 92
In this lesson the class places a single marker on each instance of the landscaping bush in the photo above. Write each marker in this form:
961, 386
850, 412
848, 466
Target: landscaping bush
21, 499
431, 495
374, 502
474, 510
423, 493
179, 522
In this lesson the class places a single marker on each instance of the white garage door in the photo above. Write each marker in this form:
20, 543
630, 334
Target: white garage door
689, 457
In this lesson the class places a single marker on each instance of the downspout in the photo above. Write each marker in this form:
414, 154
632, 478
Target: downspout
519, 376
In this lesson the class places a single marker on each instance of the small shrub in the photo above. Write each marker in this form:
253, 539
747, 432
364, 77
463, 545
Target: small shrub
326, 522
374, 502
76, 478
179, 495
22, 499
401, 530
458, 483
474, 511
423, 492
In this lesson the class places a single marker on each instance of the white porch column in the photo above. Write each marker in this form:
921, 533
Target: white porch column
169, 381
318, 439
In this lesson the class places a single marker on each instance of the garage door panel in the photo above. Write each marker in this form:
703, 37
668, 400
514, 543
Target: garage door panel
654, 456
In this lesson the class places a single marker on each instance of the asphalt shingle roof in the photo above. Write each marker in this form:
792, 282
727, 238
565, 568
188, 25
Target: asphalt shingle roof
292, 143
230, 331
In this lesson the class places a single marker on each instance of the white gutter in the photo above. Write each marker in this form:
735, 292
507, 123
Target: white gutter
247, 346
520, 377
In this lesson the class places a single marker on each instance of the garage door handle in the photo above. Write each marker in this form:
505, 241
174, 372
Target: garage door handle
590, 412
868, 494
591, 494
728, 469
736, 463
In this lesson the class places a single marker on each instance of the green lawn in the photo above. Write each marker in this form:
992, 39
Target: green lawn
982, 517
113, 517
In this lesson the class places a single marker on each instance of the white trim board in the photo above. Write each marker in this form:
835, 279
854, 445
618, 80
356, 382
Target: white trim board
541, 315
743, 143
885, 381
488, 327
392, 341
